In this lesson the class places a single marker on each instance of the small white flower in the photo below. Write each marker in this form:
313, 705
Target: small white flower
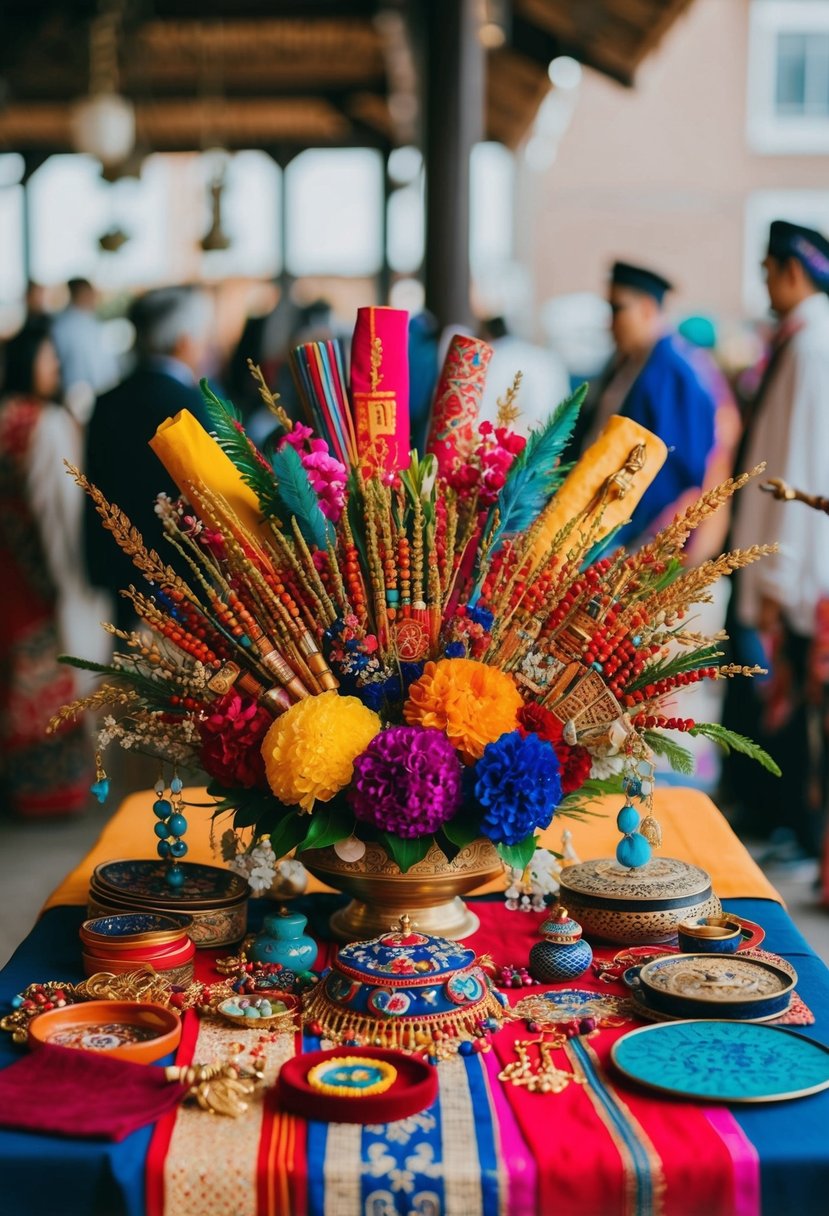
605, 767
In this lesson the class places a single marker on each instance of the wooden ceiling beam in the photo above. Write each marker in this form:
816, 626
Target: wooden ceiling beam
182, 126
66, 86
263, 10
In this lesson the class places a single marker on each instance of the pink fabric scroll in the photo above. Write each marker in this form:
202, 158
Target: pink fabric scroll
380, 389
457, 401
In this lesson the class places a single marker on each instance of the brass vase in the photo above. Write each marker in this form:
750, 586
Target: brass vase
429, 892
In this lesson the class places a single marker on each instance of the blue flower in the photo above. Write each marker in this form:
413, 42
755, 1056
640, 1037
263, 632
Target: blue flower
517, 784
481, 616
455, 650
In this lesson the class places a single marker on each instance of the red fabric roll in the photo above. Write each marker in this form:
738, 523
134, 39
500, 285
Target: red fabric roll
458, 401
380, 389
51, 1091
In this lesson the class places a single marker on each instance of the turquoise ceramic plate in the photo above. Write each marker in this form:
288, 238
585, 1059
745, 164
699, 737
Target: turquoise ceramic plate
719, 1061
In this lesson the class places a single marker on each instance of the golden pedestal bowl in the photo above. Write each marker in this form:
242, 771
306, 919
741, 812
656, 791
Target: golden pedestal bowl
429, 892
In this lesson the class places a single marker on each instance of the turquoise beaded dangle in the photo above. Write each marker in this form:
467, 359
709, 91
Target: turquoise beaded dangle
100, 786
633, 849
170, 827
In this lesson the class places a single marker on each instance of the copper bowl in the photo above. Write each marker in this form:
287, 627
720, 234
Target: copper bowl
129, 1030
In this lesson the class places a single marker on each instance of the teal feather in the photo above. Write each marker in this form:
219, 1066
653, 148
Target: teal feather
534, 474
295, 497
225, 424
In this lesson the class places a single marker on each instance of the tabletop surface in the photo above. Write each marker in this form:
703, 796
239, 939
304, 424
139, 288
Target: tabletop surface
494, 1152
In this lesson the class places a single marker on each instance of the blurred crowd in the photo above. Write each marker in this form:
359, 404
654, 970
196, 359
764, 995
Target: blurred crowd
66, 396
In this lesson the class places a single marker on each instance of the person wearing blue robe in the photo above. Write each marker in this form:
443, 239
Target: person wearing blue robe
654, 381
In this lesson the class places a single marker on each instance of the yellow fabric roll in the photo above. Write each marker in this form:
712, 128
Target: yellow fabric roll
580, 494
189, 454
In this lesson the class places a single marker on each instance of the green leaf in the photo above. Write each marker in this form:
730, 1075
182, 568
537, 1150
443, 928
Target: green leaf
246, 815
462, 829
330, 822
518, 855
406, 853
729, 741
448, 847
288, 833
577, 805
593, 788
679, 758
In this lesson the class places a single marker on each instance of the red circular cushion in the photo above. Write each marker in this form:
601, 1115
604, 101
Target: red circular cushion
415, 1087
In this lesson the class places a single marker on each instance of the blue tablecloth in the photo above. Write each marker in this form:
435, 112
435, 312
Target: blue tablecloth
50, 1176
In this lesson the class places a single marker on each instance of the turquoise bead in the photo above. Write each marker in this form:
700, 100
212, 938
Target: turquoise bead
633, 851
163, 849
175, 877
161, 830
177, 825
178, 849
162, 808
176, 785
628, 819
100, 789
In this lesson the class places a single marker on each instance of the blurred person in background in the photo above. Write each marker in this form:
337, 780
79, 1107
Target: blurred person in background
652, 379
88, 366
172, 329
47, 608
265, 339
776, 602
35, 299
700, 333
544, 380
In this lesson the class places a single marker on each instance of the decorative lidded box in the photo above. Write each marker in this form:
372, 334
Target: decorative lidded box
615, 903
407, 990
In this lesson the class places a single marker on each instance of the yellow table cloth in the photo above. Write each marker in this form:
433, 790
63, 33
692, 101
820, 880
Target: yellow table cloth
693, 830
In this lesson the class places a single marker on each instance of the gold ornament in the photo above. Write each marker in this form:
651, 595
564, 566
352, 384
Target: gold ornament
546, 1077
220, 1089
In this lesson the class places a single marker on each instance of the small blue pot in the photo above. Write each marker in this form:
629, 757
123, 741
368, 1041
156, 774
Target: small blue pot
710, 935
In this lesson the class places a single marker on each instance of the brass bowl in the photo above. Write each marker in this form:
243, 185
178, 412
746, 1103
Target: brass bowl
429, 892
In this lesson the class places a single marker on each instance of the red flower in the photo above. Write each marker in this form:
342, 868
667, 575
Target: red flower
574, 762
232, 735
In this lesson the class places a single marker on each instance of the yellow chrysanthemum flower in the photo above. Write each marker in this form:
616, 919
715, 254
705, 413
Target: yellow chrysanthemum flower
471, 703
309, 751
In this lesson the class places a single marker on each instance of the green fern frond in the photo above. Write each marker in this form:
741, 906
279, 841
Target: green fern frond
679, 758
686, 660
729, 741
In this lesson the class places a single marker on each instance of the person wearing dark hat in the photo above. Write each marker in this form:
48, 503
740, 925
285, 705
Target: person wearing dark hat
775, 601
653, 380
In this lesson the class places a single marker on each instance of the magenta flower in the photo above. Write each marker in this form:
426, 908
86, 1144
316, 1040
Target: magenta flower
407, 782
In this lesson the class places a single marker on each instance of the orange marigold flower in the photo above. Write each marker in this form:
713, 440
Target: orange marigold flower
471, 703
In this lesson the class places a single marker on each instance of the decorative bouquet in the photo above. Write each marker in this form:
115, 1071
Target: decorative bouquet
358, 644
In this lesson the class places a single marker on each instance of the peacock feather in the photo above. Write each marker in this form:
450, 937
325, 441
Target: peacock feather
535, 474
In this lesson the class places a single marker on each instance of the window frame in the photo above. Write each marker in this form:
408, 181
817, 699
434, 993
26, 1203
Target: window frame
769, 132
